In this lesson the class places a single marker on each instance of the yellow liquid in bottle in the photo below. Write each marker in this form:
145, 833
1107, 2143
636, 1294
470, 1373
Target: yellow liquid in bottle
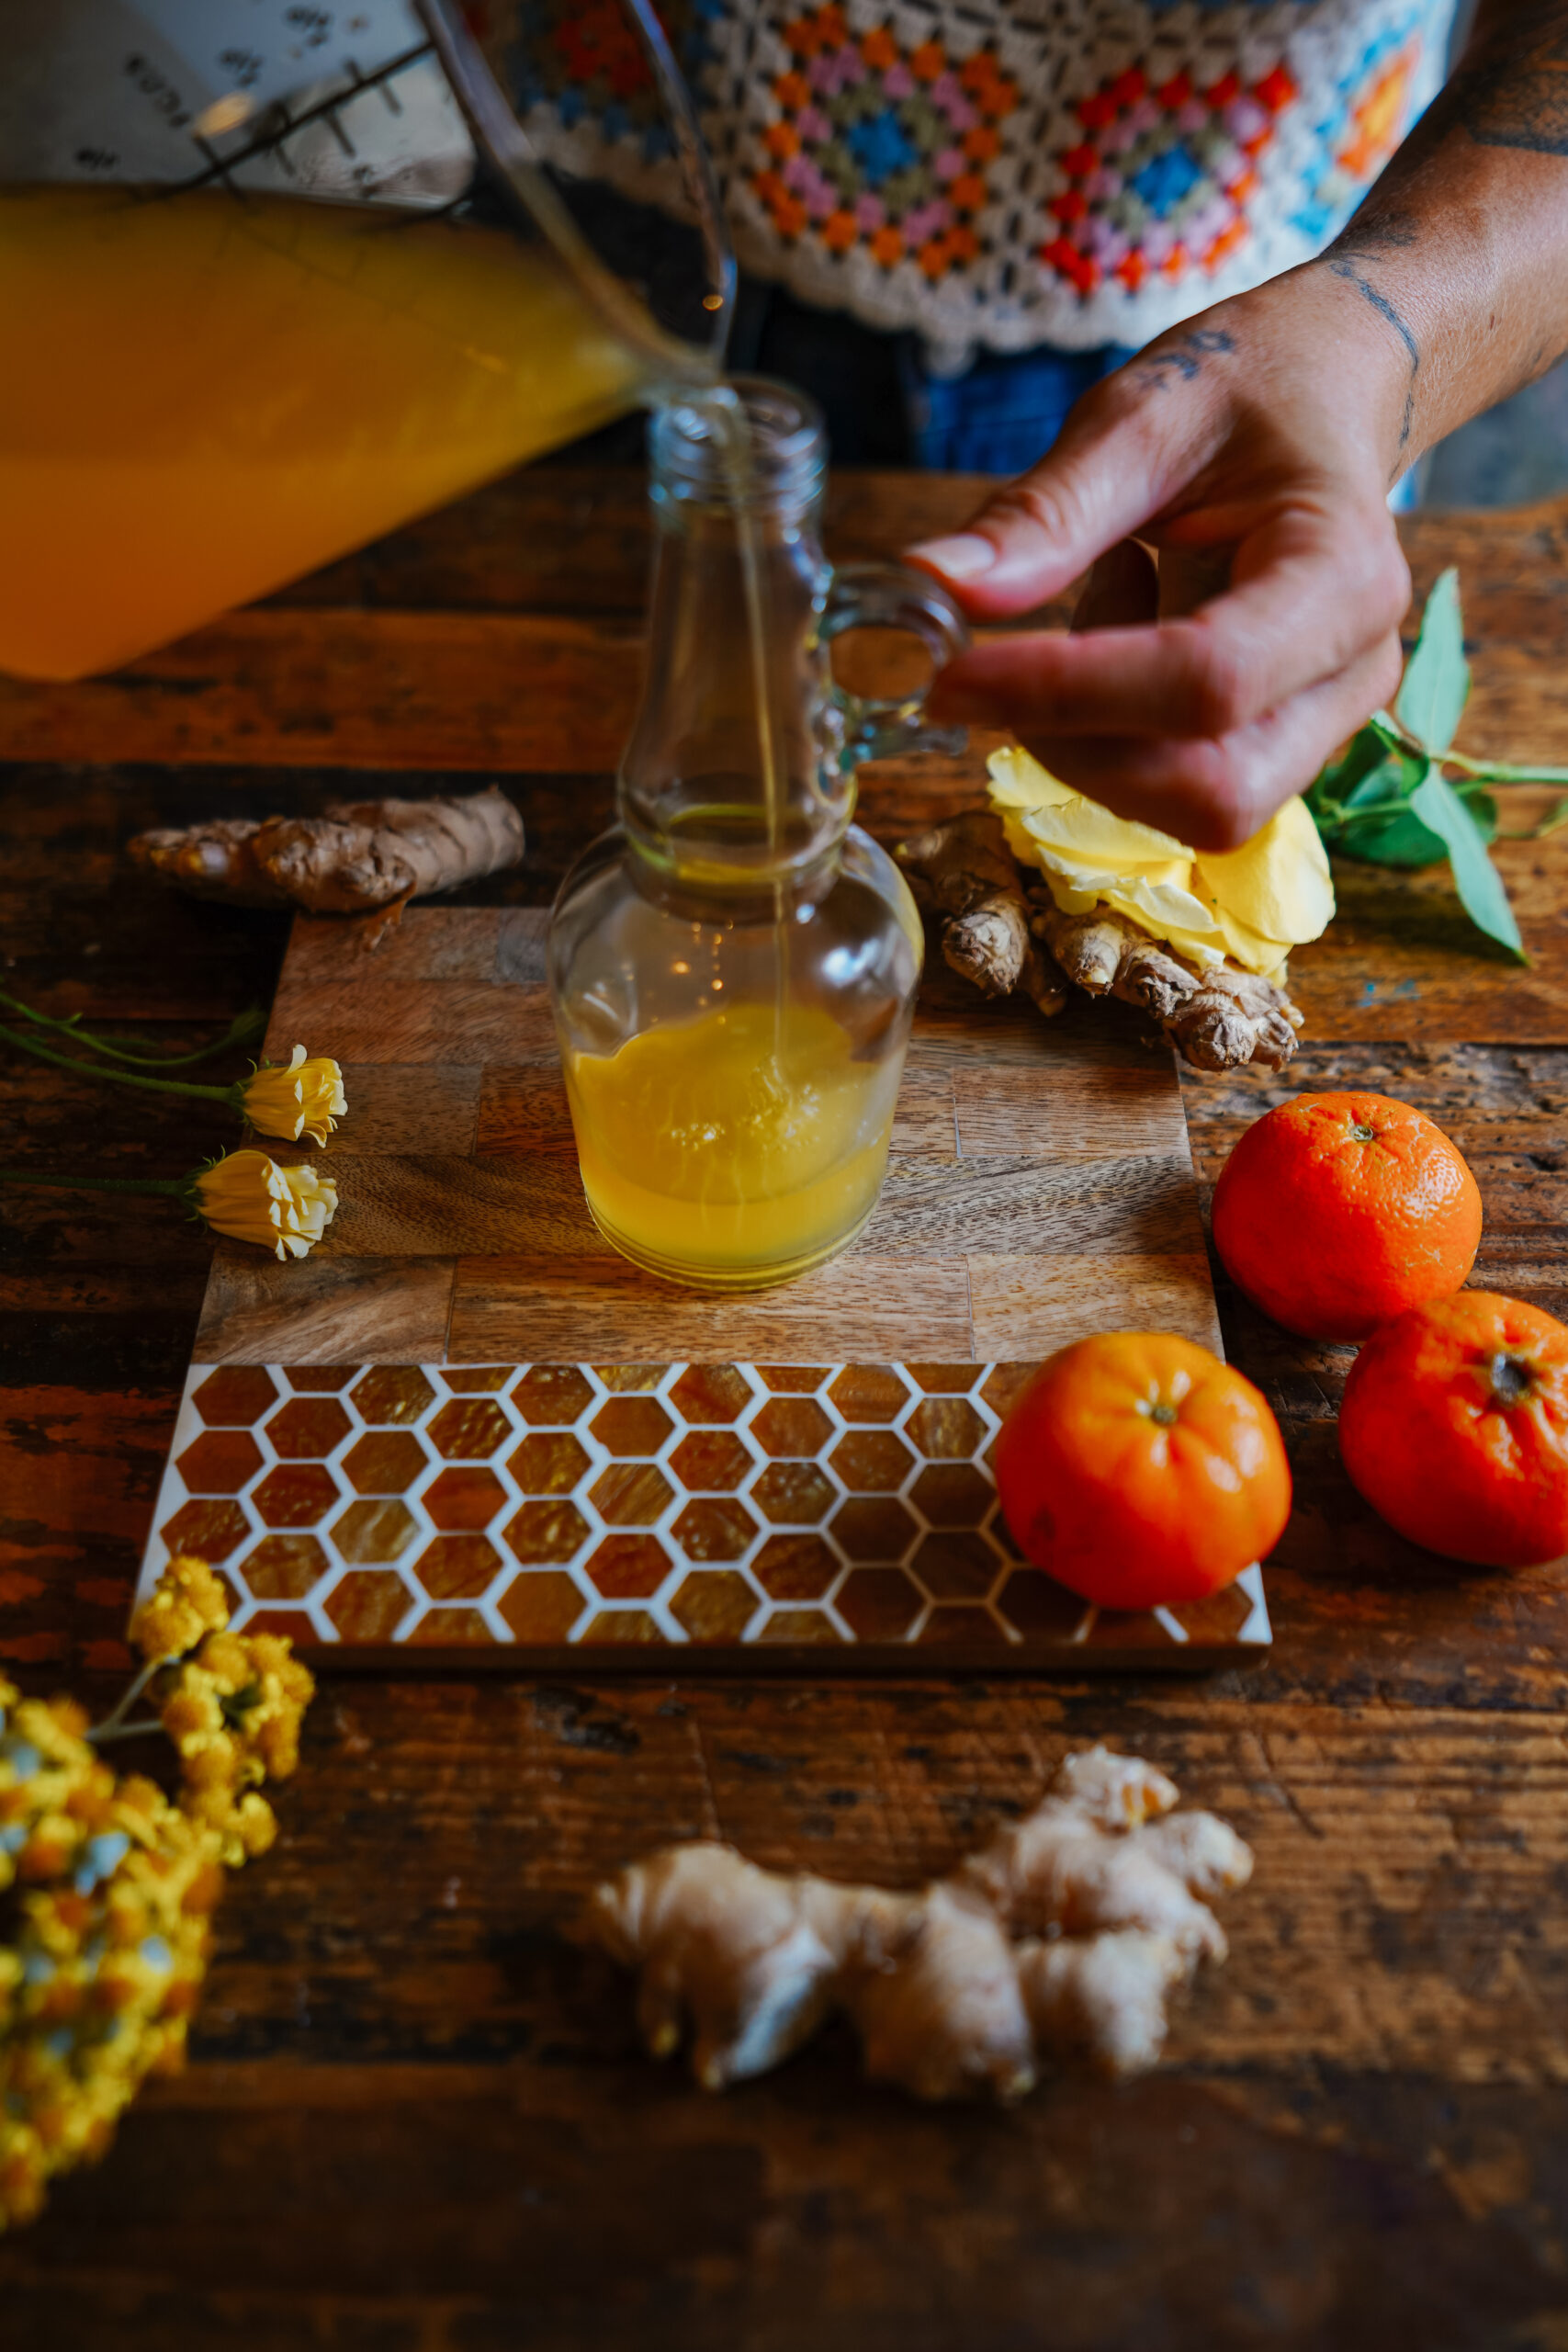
202, 398
736, 1148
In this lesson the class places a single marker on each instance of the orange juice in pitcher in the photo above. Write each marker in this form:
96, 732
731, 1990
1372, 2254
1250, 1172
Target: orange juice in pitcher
211, 398
281, 329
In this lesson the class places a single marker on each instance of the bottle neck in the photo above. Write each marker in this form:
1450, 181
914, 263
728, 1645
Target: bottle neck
732, 778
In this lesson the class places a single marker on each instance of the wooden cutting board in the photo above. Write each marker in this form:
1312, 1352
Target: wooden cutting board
466, 1431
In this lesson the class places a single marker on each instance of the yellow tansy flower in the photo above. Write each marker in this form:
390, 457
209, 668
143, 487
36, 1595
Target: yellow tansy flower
187, 1601
250, 1197
301, 1097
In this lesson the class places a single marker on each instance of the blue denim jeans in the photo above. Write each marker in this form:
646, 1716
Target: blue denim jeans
1003, 412
885, 407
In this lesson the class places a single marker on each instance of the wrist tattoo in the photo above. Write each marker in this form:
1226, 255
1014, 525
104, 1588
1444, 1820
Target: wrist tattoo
1182, 358
1370, 237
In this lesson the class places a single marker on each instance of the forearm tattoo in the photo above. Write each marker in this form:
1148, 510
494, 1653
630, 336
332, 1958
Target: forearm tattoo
1511, 90
1514, 93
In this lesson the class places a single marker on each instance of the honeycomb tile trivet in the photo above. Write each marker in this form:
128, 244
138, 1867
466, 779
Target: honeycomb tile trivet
845, 1509
807, 1483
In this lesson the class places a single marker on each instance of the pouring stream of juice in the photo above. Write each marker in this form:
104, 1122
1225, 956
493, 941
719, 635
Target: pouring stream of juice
208, 396
749, 1137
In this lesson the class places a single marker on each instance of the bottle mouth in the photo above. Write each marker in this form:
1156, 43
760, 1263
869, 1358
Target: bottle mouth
749, 441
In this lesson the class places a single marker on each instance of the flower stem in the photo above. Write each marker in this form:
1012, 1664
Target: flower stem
177, 1188
114, 1725
226, 1094
243, 1030
1495, 772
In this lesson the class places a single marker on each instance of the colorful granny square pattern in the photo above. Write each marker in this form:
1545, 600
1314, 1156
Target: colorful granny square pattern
1161, 176
882, 147
582, 59
1373, 111
1003, 172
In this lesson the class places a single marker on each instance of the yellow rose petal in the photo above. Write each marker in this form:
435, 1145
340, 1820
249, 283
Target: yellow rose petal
1082, 828
1018, 781
1252, 949
1277, 884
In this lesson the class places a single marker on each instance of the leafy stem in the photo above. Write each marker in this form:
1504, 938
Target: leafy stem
1388, 797
177, 1188
228, 1095
243, 1030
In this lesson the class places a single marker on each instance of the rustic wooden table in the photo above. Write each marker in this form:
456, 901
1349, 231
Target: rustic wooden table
414, 2117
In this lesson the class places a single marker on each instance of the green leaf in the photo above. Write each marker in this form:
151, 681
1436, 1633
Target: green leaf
1376, 822
1483, 809
1398, 839
1387, 732
1394, 779
1361, 758
1436, 677
1479, 884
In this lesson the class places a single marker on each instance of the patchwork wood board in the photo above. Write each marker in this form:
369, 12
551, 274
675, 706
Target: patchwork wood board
465, 1431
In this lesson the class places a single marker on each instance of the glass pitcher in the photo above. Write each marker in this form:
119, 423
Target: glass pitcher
276, 278
734, 967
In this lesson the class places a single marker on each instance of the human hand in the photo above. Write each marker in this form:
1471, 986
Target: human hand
1254, 447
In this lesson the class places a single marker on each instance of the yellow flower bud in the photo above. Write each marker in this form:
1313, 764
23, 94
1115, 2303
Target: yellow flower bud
303, 1097
187, 1601
249, 1196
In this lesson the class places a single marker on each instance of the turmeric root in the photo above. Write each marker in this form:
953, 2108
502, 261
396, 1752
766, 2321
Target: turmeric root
964, 872
359, 855
1109, 1896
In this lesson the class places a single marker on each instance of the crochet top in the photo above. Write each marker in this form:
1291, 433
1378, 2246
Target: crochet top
1005, 172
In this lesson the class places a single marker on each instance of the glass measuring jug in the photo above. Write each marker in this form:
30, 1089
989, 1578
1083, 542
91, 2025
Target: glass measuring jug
277, 278
734, 969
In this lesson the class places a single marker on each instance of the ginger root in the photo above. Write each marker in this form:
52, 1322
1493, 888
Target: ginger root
1216, 1018
1108, 1897
360, 856
964, 872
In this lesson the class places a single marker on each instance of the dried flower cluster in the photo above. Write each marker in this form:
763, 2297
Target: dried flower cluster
106, 1887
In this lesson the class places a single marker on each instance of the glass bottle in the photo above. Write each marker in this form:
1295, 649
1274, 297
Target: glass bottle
734, 967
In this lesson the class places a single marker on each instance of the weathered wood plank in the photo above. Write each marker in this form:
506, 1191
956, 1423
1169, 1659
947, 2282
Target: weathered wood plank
512, 1308
573, 539
344, 687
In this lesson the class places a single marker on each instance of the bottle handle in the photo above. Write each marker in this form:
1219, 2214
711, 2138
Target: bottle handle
889, 596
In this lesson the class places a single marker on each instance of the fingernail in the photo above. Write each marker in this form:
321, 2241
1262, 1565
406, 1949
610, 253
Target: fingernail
964, 557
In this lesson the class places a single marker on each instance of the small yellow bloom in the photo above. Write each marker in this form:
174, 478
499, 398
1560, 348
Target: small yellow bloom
186, 1602
249, 1196
303, 1097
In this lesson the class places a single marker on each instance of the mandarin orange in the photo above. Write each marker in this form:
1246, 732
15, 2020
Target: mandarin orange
1455, 1428
1335, 1211
1140, 1471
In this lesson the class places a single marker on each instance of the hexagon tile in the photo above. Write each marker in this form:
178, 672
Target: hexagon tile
507, 1510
